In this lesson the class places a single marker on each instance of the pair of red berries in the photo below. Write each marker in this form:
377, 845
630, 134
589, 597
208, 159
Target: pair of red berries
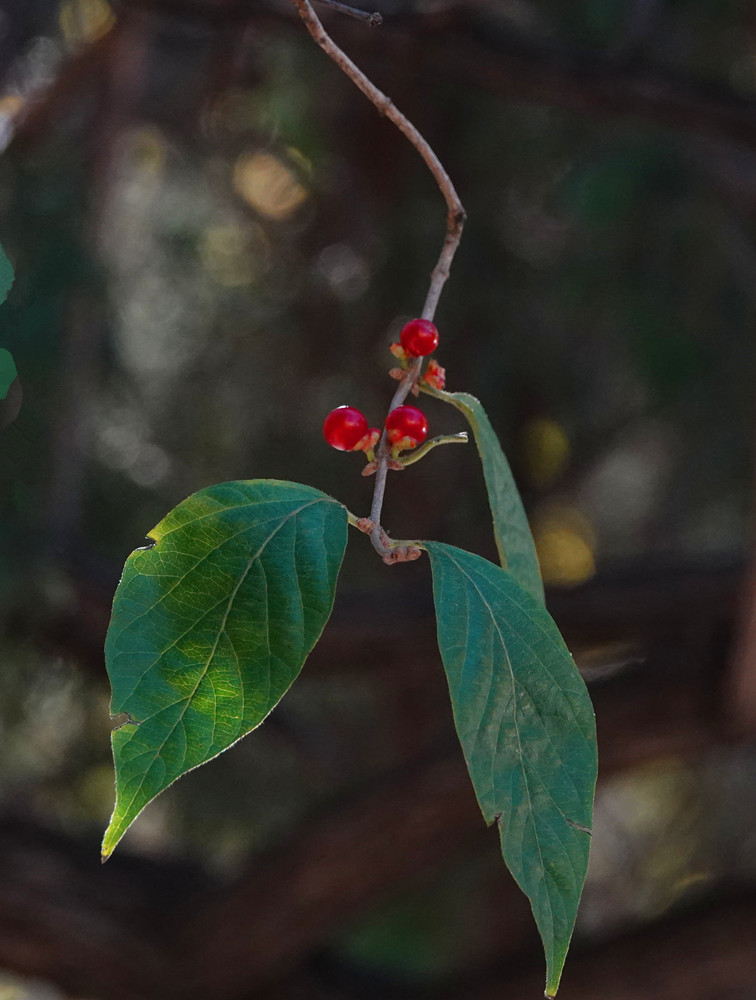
346, 429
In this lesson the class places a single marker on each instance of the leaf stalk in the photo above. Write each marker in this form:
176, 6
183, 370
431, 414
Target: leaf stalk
422, 451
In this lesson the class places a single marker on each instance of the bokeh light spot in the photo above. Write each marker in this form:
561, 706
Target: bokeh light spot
226, 256
565, 544
11, 104
268, 185
84, 21
147, 149
547, 451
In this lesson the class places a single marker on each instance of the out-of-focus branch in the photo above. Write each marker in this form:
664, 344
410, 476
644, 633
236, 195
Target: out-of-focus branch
597, 85
586, 83
742, 707
288, 904
76, 76
291, 902
741, 694
65, 919
473, 49
706, 952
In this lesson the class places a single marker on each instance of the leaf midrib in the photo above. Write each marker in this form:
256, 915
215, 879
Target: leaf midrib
130, 623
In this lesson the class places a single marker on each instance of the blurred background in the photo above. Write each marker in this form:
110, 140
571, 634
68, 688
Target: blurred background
215, 239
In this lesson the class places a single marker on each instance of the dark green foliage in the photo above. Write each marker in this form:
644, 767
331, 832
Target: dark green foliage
510, 523
526, 726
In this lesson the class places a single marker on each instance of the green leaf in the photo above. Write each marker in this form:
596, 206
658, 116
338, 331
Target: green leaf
517, 551
6, 276
211, 626
7, 371
527, 729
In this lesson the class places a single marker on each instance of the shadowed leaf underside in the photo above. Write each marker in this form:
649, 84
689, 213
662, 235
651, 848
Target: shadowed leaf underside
527, 729
514, 541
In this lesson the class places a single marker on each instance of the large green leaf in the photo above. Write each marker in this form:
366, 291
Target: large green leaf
527, 730
517, 551
212, 624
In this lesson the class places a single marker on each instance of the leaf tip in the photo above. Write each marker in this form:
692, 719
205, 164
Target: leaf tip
553, 978
111, 838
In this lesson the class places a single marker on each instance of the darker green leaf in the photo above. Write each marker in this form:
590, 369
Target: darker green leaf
527, 730
514, 541
212, 624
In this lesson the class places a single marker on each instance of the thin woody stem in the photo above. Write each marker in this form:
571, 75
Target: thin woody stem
374, 20
455, 220
402, 391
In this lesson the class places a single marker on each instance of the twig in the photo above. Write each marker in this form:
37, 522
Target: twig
374, 20
455, 220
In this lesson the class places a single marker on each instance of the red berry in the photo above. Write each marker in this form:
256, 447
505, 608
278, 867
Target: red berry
406, 426
344, 427
419, 337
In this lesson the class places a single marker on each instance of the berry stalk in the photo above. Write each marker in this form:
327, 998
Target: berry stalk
455, 220
383, 451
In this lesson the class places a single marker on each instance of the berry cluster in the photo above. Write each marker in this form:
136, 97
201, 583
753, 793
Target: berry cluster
346, 428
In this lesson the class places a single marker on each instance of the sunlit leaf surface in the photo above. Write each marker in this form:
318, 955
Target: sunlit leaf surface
212, 624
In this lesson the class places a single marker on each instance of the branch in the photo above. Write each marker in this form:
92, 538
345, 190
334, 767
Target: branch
455, 220
288, 904
479, 51
88, 930
373, 20
741, 681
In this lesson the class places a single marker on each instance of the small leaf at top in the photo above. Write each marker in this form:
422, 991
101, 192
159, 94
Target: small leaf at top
7, 276
514, 541
527, 730
212, 624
